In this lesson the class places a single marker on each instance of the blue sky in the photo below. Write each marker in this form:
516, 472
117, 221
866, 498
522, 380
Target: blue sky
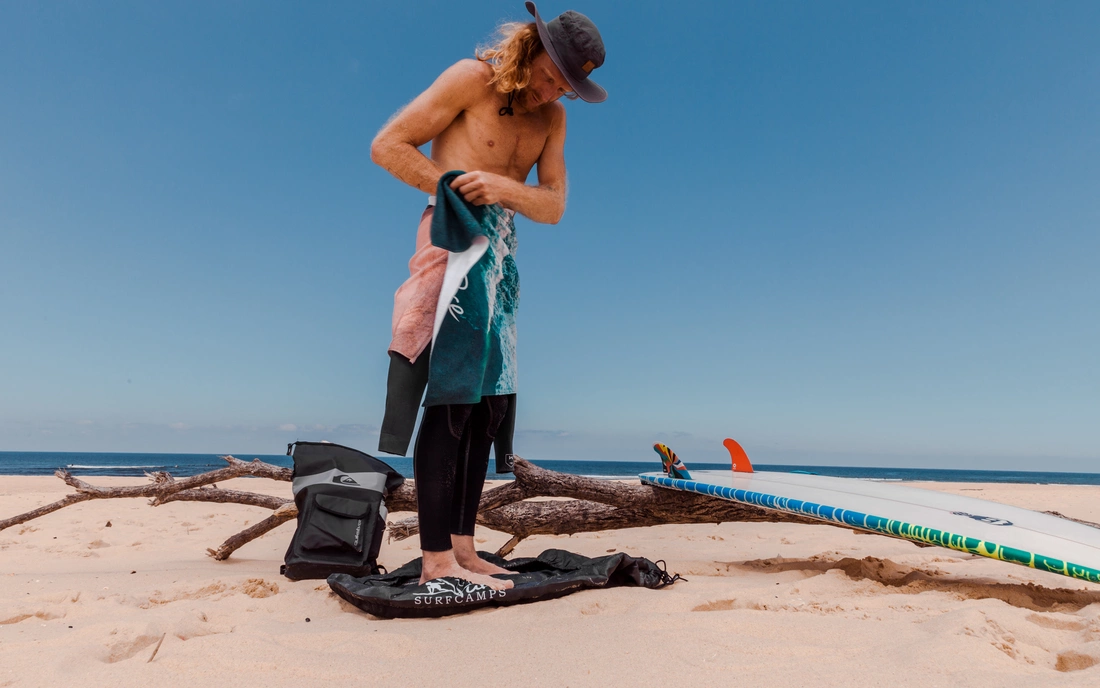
853, 233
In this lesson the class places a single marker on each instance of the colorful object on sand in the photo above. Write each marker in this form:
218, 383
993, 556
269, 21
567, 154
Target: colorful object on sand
927, 517
672, 464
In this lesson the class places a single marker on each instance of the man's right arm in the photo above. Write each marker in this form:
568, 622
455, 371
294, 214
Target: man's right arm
395, 148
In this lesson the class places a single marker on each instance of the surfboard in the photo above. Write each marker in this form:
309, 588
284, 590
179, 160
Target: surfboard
965, 524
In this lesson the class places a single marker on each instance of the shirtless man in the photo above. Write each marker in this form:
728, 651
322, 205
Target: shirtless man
495, 117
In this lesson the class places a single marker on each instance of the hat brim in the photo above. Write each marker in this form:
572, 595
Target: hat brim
588, 90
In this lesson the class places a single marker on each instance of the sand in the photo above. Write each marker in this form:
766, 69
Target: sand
84, 603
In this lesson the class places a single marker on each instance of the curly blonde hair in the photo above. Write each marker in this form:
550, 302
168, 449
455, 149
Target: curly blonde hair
511, 55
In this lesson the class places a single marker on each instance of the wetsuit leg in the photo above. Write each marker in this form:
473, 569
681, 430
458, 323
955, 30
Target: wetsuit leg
473, 461
435, 457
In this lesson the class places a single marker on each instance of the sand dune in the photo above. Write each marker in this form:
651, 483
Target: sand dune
87, 603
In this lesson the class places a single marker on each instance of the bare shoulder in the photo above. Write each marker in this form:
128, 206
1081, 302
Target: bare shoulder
467, 74
555, 115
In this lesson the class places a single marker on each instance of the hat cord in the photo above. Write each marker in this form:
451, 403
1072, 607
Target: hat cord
507, 109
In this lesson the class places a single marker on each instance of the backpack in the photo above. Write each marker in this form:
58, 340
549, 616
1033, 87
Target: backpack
339, 492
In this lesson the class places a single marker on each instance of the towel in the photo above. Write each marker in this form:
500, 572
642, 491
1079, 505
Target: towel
474, 336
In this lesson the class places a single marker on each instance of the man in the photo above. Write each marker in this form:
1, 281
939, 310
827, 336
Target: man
494, 118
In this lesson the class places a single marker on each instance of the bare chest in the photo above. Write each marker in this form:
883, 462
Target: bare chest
483, 139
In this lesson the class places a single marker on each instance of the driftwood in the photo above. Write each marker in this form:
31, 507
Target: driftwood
576, 504
1075, 520
592, 505
580, 504
165, 488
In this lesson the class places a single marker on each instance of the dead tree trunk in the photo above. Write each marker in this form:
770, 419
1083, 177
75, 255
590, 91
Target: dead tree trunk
592, 505
165, 488
580, 504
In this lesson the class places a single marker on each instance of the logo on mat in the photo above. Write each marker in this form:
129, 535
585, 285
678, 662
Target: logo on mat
344, 480
455, 591
984, 519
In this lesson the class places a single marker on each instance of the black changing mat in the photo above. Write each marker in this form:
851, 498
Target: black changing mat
553, 573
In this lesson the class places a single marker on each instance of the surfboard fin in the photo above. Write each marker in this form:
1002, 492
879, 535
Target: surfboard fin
672, 464
738, 457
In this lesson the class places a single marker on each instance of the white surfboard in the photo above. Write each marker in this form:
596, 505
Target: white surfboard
965, 524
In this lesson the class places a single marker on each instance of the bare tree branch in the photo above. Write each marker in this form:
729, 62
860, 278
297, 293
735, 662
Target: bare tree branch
587, 505
562, 503
281, 515
163, 488
209, 494
42, 511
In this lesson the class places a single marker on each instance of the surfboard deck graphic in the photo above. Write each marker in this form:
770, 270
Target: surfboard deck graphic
965, 524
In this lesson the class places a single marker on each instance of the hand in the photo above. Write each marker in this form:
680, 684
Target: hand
481, 188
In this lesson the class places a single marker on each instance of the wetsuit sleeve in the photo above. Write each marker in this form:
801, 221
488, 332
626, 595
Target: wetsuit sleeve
502, 443
404, 390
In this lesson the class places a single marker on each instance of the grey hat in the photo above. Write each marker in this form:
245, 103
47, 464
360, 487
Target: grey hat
574, 44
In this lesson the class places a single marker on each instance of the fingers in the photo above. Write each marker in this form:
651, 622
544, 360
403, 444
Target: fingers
464, 178
469, 185
477, 198
475, 188
474, 191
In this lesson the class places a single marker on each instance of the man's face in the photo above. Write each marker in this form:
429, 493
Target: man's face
547, 83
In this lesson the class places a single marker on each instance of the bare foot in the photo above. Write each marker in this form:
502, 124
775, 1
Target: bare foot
467, 557
443, 564
479, 565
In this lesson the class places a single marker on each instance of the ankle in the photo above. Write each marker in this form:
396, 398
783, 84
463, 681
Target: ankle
437, 561
461, 556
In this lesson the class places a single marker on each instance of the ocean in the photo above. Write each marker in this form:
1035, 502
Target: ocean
179, 465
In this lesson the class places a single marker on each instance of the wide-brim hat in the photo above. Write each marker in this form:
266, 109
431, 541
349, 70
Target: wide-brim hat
576, 48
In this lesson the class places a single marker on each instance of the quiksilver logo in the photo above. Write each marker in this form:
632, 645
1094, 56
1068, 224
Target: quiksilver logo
344, 480
984, 519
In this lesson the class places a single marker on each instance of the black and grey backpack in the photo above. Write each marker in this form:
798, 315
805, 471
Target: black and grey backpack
340, 494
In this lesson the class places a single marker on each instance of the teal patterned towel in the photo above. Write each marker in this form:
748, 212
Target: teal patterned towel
474, 340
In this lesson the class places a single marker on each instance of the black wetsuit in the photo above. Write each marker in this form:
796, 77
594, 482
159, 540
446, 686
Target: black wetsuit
450, 460
471, 370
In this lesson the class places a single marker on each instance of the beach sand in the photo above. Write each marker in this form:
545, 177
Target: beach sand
86, 604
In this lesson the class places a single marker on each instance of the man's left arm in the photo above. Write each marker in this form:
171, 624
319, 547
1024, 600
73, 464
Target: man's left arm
543, 203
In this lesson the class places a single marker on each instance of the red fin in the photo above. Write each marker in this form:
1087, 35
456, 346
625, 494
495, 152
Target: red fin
738, 457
